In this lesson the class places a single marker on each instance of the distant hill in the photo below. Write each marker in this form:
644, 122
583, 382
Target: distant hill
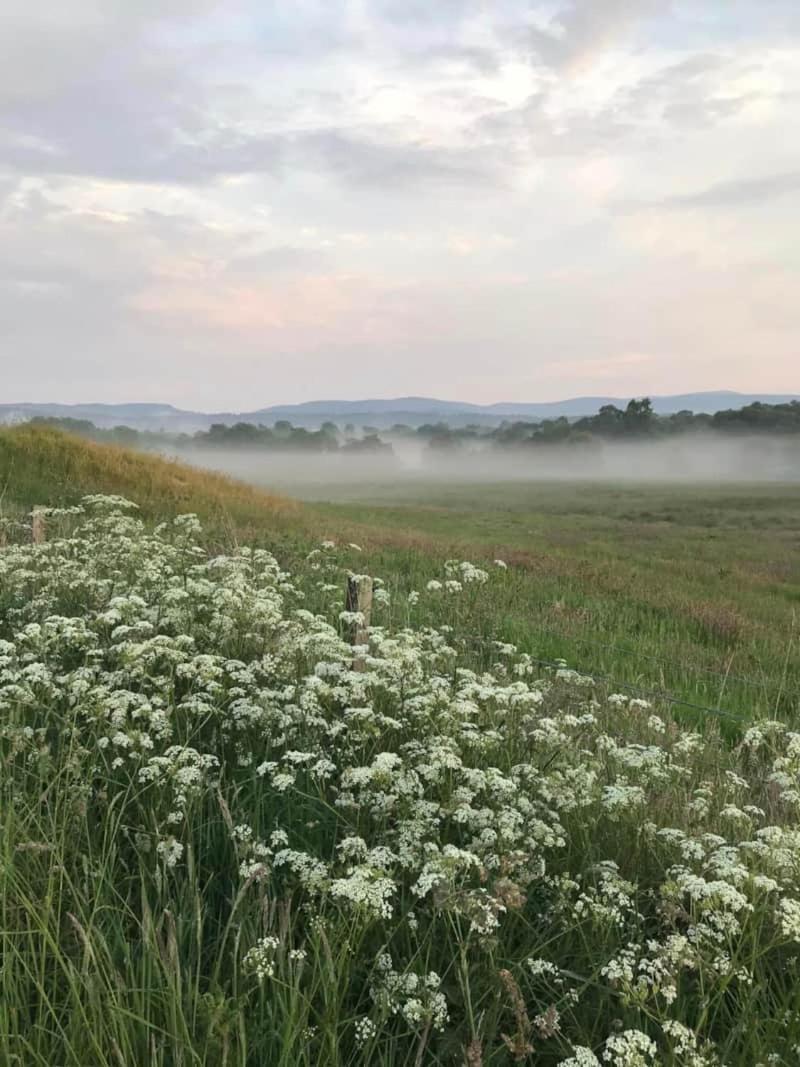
381, 413
699, 403
574, 407
411, 405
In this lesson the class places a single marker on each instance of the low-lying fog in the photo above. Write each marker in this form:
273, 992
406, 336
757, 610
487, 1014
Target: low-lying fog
687, 458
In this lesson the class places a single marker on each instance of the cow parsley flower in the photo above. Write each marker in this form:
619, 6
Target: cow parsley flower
631, 1048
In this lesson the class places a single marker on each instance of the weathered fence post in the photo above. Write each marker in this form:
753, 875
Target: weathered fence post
38, 527
359, 600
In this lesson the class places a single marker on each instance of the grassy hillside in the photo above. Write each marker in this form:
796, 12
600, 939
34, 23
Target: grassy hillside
39, 465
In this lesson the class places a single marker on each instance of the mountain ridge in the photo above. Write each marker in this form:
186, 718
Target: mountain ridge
380, 412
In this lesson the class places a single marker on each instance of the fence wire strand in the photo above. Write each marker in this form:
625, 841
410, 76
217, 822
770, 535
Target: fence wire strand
614, 683
725, 676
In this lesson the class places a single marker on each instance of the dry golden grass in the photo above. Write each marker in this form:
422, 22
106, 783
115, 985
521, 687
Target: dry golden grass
720, 620
39, 465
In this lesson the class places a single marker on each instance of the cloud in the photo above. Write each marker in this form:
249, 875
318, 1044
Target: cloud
45, 48
534, 128
583, 29
147, 121
737, 192
369, 161
281, 259
257, 197
583, 32
156, 99
698, 91
156, 146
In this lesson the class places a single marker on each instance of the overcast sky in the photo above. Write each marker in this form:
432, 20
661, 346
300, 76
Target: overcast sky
228, 205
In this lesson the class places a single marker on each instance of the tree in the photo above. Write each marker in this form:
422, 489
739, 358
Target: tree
638, 416
608, 420
444, 441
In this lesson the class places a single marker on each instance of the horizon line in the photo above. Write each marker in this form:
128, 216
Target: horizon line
408, 397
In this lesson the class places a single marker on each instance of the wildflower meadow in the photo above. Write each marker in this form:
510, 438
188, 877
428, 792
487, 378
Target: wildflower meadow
225, 839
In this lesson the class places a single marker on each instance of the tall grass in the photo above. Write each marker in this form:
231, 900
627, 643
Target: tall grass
221, 844
40, 465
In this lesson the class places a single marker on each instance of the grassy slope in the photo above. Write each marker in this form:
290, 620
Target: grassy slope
43, 466
687, 589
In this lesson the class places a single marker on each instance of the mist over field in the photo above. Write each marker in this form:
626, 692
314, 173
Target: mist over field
689, 458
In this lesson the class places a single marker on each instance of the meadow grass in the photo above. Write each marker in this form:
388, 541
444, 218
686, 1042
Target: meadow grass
221, 844
690, 589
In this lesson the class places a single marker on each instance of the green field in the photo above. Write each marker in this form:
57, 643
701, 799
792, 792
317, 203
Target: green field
227, 840
693, 589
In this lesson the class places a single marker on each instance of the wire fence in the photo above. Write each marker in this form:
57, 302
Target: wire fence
615, 683
663, 695
726, 676
783, 691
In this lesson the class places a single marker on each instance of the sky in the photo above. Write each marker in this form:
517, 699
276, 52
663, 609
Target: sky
230, 205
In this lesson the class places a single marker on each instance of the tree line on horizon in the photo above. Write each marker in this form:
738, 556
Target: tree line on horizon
636, 422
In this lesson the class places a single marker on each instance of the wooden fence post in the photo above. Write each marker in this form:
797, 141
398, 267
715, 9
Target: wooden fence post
359, 599
38, 527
